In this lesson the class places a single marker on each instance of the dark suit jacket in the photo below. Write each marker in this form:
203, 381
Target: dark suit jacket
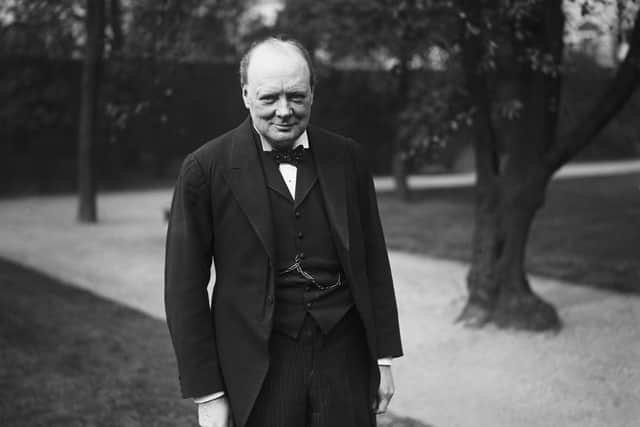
220, 211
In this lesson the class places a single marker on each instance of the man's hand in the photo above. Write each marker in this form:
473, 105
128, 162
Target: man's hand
386, 389
215, 413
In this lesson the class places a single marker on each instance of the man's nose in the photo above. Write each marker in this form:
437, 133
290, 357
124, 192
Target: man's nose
283, 108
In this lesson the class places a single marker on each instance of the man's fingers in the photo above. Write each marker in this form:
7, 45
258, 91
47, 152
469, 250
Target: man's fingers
384, 397
385, 390
383, 401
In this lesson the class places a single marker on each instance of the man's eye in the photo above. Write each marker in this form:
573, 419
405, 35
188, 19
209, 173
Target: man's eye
297, 98
268, 99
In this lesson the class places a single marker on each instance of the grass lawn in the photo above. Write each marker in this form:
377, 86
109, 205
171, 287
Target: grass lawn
587, 233
69, 358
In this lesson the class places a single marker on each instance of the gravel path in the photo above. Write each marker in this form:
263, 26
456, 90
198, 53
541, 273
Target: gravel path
570, 171
587, 375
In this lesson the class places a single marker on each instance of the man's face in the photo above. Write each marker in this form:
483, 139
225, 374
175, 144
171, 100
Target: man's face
278, 94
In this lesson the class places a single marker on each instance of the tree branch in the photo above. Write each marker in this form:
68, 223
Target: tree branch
115, 22
626, 80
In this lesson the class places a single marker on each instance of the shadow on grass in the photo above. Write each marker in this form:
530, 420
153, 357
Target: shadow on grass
69, 358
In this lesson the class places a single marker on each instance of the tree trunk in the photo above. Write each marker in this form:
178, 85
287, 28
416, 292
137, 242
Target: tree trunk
486, 244
517, 306
508, 196
400, 178
526, 175
115, 23
399, 161
486, 248
91, 74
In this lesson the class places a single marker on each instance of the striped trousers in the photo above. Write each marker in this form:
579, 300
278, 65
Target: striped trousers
317, 380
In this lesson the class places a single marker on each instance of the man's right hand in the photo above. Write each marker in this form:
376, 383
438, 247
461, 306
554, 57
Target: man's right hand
215, 413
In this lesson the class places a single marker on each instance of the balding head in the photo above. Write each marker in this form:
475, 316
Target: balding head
277, 45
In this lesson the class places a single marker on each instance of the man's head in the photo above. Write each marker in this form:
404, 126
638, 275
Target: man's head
277, 88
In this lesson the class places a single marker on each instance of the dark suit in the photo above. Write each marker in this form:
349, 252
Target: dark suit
220, 211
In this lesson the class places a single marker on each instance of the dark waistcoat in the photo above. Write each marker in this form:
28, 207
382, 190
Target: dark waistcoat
303, 232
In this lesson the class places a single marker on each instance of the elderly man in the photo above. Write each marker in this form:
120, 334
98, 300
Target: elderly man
303, 321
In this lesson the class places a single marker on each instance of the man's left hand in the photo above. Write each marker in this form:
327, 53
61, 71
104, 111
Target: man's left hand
386, 389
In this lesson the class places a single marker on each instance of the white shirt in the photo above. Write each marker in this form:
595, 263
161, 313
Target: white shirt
289, 173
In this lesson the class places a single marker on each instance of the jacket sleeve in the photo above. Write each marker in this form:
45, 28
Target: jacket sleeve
385, 310
189, 250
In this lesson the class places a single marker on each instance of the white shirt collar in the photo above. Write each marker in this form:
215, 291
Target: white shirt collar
303, 140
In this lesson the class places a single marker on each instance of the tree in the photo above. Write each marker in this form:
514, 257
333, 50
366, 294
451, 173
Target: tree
373, 34
185, 30
47, 36
512, 54
513, 61
91, 76
39, 28
116, 27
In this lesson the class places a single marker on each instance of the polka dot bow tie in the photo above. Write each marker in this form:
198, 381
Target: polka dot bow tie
293, 157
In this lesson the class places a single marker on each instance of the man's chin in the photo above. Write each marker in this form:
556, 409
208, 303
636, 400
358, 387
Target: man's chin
282, 139
285, 132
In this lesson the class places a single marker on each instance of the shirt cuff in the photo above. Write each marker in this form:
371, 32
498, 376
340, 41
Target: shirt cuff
384, 361
208, 398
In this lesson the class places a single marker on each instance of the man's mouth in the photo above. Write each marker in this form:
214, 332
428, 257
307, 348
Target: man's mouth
283, 126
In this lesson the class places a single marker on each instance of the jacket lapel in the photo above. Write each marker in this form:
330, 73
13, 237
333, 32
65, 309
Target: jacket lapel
330, 168
306, 179
275, 180
247, 183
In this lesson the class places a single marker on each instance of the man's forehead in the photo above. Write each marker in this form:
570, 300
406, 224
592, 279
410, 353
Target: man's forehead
278, 85
273, 60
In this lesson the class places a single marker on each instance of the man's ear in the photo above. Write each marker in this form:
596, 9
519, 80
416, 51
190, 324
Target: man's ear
245, 96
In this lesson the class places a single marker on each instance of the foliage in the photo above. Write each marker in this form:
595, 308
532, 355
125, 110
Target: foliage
403, 36
170, 29
165, 32
378, 32
187, 30
406, 38
437, 113
41, 28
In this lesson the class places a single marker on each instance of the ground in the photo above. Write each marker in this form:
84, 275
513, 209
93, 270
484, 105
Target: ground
586, 233
71, 358
586, 375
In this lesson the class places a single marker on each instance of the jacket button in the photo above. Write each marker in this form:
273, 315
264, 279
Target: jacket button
300, 235
270, 299
297, 214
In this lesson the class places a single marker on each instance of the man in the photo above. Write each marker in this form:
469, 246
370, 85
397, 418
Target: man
303, 320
